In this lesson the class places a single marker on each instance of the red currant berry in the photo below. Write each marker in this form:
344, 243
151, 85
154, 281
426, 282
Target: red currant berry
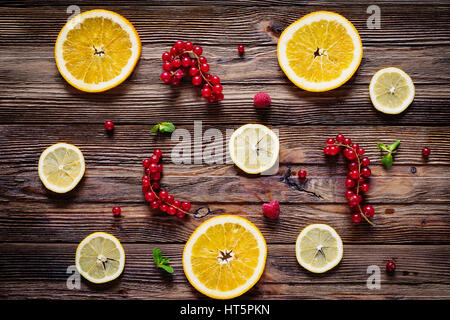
156, 185
302, 174
330, 141
150, 196
167, 66
340, 138
172, 211
160, 167
197, 50
175, 81
390, 266
426, 151
202, 59
349, 154
204, 67
364, 187
158, 153
155, 205
186, 206
368, 211
166, 56
146, 183
155, 176
193, 71
146, 163
179, 45
153, 167
186, 62
349, 194
355, 146
116, 211
173, 51
241, 49
179, 74
170, 199
360, 151
206, 92
163, 195
166, 77
365, 172
347, 141
356, 217
177, 203
197, 80
327, 150
217, 88
354, 174
188, 46
215, 80
176, 63
163, 207
154, 158
180, 214
334, 150
349, 183
109, 125
365, 161
353, 166
353, 201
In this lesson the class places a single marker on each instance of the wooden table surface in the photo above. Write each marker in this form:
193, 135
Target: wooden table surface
40, 231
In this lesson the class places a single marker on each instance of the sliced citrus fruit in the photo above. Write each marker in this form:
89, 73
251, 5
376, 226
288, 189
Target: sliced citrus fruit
61, 167
319, 248
391, 90
97, 50
100, 257
225, 257
254, 148
320, 52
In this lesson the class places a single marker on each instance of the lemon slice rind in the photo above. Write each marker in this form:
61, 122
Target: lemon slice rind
258, 270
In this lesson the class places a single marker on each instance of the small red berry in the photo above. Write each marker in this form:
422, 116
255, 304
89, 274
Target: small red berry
186, 206
177, 203
193, 71
354, 174
198, 50
364, 187
340, 138
302, 174
186, 62
349, 194
146, 163
261, 100
163, 207
349, 154
166, 56
353, 166
153, 167
202, 59
206, 92
155, 204
180, 214
330, 141
272, 209
368, 211
390, 266
426, 151
204, 67
347, 141
327, 150
217, 88
334, 150
166, 77
188, 46
156, 185
349, 183
176, 63
215, 80
163, 195
365, 172
150, 196
172, 210
197, 80
241, 49
355, 146
360, 151
356, 217
109, 125
167, 66
157, 152
146, 183
116, 211
160, 167
155, 176
365, 161
179, 45
353, 201
154, 158
170, 199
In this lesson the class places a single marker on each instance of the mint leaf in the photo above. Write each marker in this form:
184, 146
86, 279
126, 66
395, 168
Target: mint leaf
394, 146
155, 128
387, 160
169, 269
157, 256
382, 146
167, 127
160, 261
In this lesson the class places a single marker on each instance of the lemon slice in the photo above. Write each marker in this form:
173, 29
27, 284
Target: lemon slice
319, 248
100, 257
320, 52
254, 148
97, 50
224, 257
391, 90
61, 167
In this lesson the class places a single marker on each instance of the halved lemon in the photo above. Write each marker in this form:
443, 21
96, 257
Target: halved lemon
100, 257
254, 148
319, 248
320, 52
224, 257
391, 90
61, 167
97, 50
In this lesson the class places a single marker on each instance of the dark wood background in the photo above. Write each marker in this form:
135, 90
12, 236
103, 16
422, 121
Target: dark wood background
39, 231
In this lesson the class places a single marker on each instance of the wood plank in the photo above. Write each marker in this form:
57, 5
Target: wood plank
48, 222
421, 271
251, 25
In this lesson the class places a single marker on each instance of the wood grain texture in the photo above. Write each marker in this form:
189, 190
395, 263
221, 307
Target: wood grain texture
40, 230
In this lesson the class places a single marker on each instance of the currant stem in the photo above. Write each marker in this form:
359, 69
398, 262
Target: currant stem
198, 62
166, 203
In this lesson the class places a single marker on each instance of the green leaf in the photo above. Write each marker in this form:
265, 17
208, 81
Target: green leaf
169, 269
155, 128
157, 256
387, 160
394, 146
167, 127
382, 146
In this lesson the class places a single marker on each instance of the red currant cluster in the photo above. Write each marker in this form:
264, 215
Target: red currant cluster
358, 171
184, 58
151, 188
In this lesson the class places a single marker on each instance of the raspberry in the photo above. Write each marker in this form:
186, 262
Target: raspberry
272, 209
262, 100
